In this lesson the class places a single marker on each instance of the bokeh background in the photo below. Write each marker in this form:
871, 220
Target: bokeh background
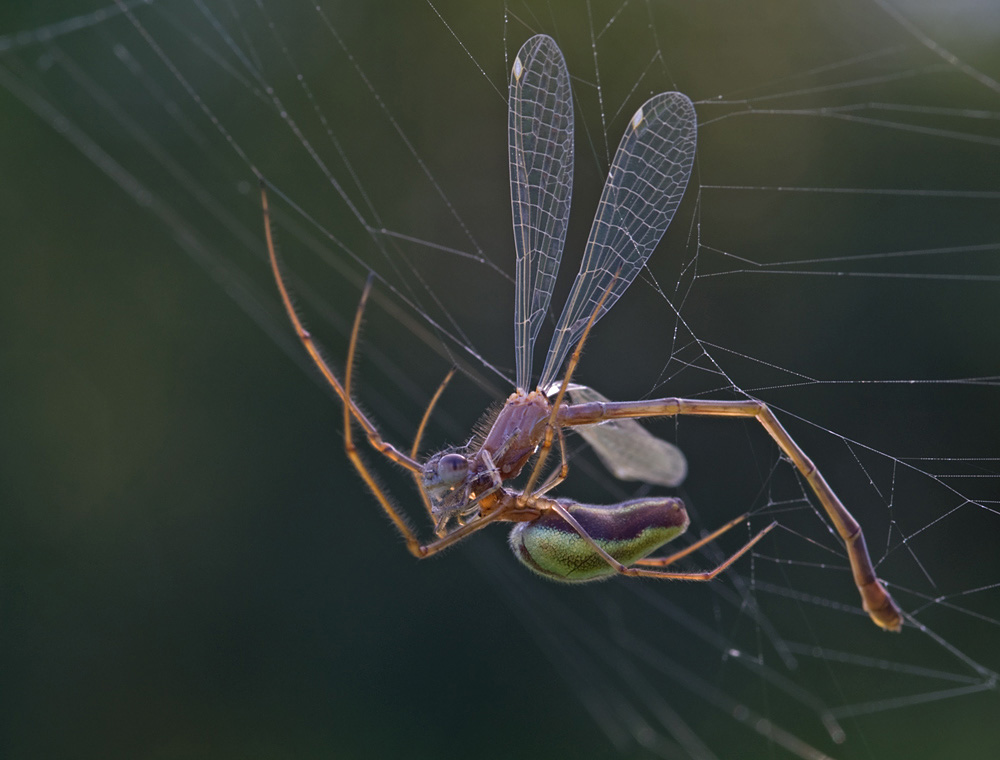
191, 569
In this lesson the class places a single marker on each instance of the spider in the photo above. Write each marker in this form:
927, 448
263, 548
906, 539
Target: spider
465, 489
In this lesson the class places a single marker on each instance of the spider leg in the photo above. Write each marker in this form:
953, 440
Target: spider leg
557, 476
351, 410
876, 600
418, 438
378, 443
415, 449
664, 561
474, 525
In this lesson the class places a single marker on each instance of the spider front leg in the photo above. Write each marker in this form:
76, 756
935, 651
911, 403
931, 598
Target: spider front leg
353, 414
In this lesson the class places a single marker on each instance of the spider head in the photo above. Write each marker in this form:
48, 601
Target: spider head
446, 481
456, 484
444, 473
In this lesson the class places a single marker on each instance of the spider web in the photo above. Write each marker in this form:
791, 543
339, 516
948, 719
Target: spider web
185, 542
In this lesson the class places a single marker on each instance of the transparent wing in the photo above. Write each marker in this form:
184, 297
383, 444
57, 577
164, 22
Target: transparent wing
627, 449
644, 187
540, 136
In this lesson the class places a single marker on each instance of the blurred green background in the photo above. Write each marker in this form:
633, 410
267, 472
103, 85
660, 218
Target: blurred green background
188, 566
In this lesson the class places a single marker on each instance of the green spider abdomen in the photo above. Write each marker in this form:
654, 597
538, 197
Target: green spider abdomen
627, 531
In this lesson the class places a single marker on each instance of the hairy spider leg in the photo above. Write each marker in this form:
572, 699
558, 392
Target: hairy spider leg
413, 543
415, 449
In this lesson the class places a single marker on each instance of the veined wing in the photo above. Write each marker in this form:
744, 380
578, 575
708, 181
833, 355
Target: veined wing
644, 188
627, 449
540, 137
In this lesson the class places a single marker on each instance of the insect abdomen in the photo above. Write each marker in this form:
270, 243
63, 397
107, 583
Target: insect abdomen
627, 531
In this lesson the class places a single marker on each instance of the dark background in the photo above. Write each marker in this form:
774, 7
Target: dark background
191, 569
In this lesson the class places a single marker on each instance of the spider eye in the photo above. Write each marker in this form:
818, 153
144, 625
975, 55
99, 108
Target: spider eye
451, 469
